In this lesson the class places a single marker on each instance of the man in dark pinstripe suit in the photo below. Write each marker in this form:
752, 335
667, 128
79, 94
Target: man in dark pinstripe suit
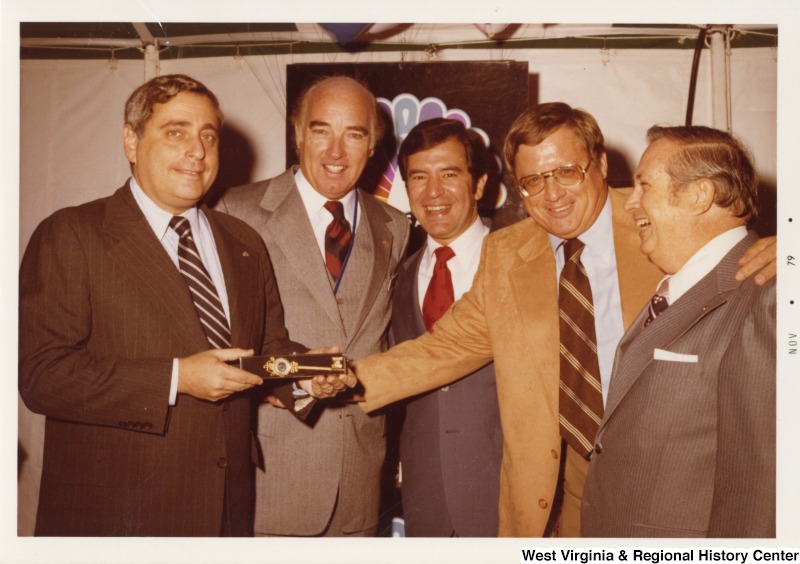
148, 428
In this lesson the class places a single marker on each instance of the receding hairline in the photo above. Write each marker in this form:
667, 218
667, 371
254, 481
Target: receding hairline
299, 117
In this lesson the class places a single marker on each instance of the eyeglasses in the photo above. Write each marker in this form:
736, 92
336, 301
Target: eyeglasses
567, 175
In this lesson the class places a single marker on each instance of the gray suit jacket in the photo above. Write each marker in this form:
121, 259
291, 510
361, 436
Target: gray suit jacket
686, 447
340, 455
103, 311
451, 444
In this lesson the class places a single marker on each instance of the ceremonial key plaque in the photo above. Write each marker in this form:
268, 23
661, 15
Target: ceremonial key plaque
294, 365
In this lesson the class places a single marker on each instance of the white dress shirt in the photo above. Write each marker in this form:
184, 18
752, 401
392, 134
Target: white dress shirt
600, 262
320, 218
462, 266
702, 262
204, 241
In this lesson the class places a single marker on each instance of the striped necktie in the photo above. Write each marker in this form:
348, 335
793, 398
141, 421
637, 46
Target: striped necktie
439, 296
338, 237
580, 395
206, 300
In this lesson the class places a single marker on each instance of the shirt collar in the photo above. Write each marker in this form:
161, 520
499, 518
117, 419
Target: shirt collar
463, 244
157, 217
599, 238
704, 261
315, 202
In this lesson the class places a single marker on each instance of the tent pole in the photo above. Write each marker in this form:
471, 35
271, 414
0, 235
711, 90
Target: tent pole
719, 77
152, 66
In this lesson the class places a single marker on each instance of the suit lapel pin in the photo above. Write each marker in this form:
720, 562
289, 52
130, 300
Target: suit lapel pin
245, 254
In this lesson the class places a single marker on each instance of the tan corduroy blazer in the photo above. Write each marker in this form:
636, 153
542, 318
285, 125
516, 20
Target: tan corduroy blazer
511, 315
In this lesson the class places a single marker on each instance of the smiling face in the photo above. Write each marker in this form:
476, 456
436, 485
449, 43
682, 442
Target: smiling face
564, 211
334, 141
664, 216
176, 159
442, 193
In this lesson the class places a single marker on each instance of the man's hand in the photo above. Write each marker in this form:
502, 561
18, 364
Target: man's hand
761, 258
327, 386
322, 387
206, 376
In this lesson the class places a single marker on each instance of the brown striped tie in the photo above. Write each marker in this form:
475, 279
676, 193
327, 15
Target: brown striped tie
580, 395
337, 239
204, 294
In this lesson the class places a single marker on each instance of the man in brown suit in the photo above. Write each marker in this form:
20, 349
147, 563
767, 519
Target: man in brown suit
147, 429
511, 314
686, 447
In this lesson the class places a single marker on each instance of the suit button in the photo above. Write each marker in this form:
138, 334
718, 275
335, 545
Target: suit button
543, 503
222, 462
554, 454
598, 448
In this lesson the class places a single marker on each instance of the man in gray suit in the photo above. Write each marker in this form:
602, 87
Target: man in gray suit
451, 443
686, 447
334, 250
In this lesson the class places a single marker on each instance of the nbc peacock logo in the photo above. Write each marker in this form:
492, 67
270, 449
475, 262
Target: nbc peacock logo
406, 111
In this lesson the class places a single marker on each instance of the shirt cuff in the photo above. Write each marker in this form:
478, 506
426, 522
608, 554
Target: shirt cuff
298, 392
173, 387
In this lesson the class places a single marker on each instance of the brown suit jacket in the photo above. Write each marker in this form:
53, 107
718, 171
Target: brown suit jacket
103, 311
511, 315
687, 446
336, 460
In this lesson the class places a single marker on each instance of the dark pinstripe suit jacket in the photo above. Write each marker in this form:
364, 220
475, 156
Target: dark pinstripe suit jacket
688, 448
103, 311
451, 444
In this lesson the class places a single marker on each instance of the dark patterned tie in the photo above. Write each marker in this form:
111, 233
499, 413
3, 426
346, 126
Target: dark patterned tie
658, 303
580, 396
338, 237
204, 294
439, 296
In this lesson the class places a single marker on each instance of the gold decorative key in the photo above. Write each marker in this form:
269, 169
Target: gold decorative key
294, 365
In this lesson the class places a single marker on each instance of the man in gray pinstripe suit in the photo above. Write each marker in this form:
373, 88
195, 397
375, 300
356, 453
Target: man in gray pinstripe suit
686, 447
147, 430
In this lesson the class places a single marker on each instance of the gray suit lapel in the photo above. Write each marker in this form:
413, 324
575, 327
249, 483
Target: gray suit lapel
291, 230
374, 244
636, 348
409, 322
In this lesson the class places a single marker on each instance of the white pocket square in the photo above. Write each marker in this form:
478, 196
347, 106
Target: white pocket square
658, 354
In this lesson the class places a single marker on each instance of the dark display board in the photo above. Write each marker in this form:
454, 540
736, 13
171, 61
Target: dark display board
485, 95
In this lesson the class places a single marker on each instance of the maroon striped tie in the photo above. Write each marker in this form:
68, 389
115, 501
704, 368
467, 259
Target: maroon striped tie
580, 396
658, 303
204, 294
338, 237
439, 296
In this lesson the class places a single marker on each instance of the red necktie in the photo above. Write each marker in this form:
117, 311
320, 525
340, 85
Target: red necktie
337, 239
439, 296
